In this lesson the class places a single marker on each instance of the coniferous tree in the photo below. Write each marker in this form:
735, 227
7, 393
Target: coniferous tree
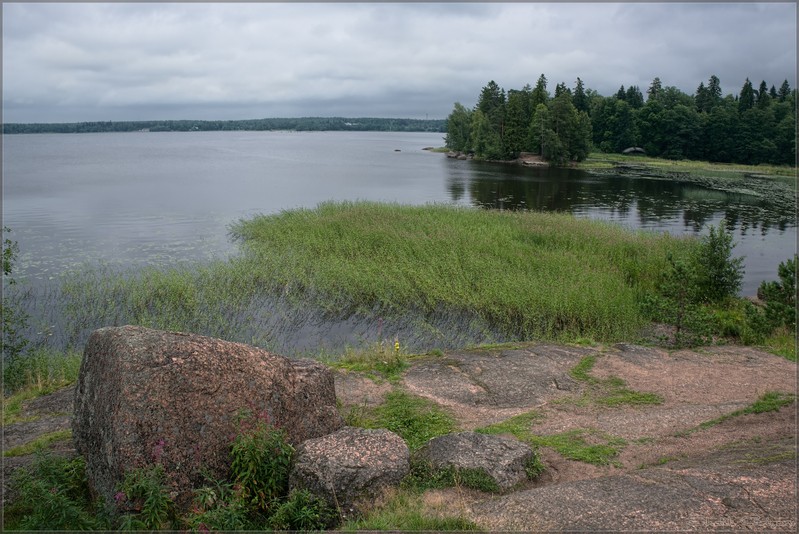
634, 97
784, 92
746, 99
621, 94
540, 95
763, 98
654, 89
579, 98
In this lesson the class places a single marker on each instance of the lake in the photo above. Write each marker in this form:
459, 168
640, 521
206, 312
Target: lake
146, 198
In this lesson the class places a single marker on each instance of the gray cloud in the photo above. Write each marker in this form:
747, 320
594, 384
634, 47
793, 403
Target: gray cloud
73, 62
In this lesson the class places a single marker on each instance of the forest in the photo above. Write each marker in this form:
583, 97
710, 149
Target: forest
757, 125
295, 124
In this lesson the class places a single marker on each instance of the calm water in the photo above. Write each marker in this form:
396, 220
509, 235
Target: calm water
133, 199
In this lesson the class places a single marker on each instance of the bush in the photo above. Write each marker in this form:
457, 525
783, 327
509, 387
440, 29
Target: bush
260, 464
303, 511
145, 497
717, 275
780, 296
14, 321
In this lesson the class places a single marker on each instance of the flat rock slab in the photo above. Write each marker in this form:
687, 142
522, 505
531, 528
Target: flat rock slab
485, 387
503, 460
733, 489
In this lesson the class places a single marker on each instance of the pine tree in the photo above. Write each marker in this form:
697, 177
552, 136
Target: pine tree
579, 99
654, 89
746, 100
763, 98
784, 92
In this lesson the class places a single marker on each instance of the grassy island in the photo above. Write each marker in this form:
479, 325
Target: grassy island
532, 275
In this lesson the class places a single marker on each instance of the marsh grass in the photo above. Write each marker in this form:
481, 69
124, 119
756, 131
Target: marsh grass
531, 275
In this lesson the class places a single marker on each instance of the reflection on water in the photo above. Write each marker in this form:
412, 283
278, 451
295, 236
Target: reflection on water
765, 234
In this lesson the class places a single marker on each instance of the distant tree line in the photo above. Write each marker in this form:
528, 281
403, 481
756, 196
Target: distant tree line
298, 124
756, 126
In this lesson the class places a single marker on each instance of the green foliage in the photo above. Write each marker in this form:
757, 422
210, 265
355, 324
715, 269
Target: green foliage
40, 371
561, 277
219, 506
52, 494
571, 444
780, 296
144, 498
415, 419
708, 275
14, 320
718, 274
302, 511
384, 359
260, 464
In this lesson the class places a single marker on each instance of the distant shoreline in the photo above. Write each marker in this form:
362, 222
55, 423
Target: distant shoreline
362, 124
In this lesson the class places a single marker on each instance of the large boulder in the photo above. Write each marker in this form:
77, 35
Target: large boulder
350, 467
146, 396
505, 461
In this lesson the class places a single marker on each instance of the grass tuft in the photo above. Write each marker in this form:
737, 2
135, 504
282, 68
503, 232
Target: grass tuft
415, 419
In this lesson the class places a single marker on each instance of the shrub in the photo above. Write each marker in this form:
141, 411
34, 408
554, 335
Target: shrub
718, 276
14, 321
780, 296
144, 496
260, 464
302, 511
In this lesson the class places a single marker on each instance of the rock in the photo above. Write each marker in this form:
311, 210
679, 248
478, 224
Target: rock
504, 460
146, 396
350, 467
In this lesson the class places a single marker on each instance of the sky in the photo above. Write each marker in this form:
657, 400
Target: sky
216, 61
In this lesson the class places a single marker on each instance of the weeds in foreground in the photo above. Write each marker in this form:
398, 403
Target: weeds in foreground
53, 494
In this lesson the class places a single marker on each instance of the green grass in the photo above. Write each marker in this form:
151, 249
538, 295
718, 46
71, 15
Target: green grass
531, 275
598, 160
380, 361
782, 342
582, 445
611, 391
42, 442
32, 375
405, 512
771, 401
415, 419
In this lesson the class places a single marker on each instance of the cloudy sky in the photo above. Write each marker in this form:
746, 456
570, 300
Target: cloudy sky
114, 61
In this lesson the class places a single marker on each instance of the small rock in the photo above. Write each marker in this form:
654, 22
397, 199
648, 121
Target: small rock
504, 460
348, 468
